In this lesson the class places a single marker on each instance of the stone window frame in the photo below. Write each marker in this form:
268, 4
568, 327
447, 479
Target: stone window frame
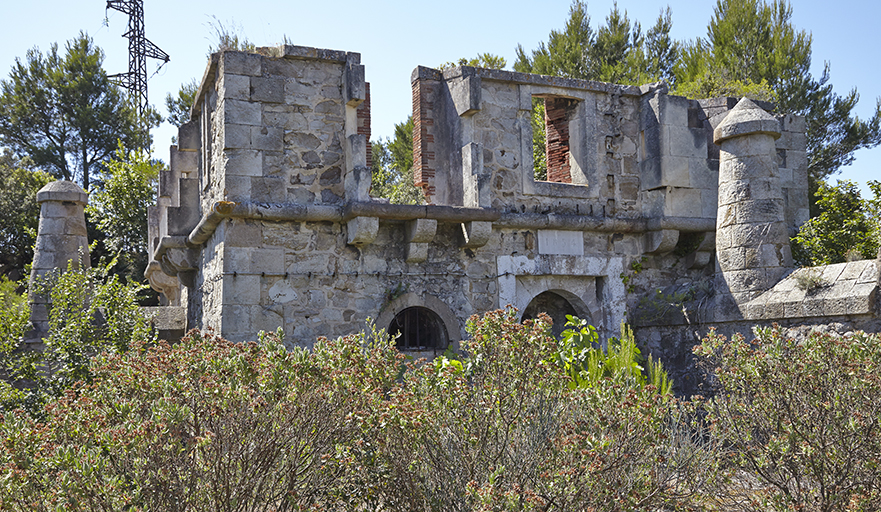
584, 175
408, 300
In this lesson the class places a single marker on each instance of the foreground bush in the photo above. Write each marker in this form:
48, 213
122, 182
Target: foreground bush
204, 425
207, 425
802, 420
91, 311
503, 429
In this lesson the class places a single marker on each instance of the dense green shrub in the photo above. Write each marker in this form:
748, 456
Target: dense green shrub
502, 429
203, 425
91, 311
802, 417
211, 425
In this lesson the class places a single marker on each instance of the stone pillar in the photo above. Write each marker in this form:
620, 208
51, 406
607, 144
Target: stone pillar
752, 242
61, 237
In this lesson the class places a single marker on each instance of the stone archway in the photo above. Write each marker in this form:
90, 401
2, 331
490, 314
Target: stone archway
557, 304
411, 314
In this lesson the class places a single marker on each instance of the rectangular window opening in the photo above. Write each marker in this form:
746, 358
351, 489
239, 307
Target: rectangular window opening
550, 138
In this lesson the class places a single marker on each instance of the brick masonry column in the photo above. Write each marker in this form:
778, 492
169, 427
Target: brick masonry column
752, 242
61, 238
363, 118
557, 144
426, 84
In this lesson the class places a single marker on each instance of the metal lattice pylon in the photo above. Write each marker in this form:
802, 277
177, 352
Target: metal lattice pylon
139, 48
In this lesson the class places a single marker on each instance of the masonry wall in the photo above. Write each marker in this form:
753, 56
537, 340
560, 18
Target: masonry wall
266, 220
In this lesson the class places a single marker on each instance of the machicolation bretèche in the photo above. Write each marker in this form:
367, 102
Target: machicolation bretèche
671, 214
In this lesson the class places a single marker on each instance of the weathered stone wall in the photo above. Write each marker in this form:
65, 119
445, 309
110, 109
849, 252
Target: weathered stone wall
265, 218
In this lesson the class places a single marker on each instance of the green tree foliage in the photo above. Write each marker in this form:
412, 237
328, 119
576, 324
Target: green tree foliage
483, 60
846, 227
179, 107
21, 213
65, 114
753, 49
617, 51
801, 417
392, 167
119, 208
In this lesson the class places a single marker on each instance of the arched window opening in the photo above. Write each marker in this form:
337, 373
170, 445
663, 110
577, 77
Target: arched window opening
554, 305
419, 329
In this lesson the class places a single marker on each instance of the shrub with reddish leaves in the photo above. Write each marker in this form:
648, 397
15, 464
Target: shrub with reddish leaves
502, 429
202, 425
801, 419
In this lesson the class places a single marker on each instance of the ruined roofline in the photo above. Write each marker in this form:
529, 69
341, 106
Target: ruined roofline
276, 52
427, 73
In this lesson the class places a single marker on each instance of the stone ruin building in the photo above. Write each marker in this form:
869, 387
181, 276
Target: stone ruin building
668, 213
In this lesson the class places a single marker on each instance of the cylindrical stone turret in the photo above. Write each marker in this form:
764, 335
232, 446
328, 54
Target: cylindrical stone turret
61, 237
752, 242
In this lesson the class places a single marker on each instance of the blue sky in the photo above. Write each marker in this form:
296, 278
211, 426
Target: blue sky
395, 36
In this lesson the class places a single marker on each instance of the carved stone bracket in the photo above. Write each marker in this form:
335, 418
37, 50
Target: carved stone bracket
419, 234
362, 230
660, 242
476, 234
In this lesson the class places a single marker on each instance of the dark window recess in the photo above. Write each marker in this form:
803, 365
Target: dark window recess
554, 305
419, 328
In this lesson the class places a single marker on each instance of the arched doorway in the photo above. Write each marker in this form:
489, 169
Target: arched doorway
555, 305
419, 329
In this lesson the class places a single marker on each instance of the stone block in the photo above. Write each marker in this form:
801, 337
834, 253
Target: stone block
465, 92
234, 87
357, 183
354, 88
797, 160
674, 171
267, 90
189, 137
243, 162
673, 110
236, 136
476, 182
701, 176
241, 63
421, 230
242, 112
853, 270
356, 151
267, 138
184, 162
870, 274
243, 233
237, 188
241, 289
569, 243
684, 202
475, 234
236, 259
235, 321
660, 242
684, 141
760, 210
